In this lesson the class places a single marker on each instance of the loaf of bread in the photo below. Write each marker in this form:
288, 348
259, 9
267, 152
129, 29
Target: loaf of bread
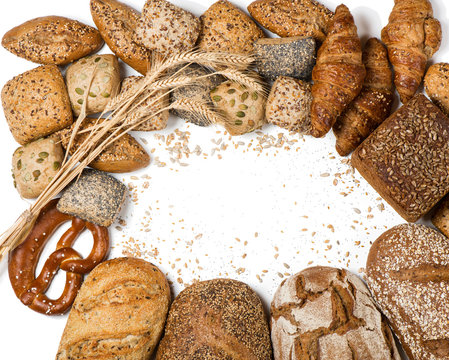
440, 217
436, 83
226, 28
36, 104
117, 23
119, 313
406, 158
52, 40
123, 155
219, 319
328, 313
408, 274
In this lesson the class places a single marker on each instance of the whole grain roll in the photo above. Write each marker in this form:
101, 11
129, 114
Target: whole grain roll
219, 319
328, 313
119, 313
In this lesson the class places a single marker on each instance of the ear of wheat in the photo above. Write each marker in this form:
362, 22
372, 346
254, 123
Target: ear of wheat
161, 79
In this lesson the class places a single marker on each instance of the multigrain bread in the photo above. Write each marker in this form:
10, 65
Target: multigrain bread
117, 23
36, 104
227, 28
166, 28
440, 217
94, 196
119, 313
35, 165
288, 104
436, 83
52, 40
406, 158
292, 17
408, 274
219, 319
94, 80
123, 155
328, 313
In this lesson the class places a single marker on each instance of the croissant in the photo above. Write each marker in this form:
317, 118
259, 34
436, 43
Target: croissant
412, 36
372, 106
338, 74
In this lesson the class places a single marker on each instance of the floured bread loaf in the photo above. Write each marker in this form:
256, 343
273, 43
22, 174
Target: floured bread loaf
328, 313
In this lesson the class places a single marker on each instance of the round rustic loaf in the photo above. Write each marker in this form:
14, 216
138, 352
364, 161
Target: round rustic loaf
436, 83
408, 274
52, 40
216, 319
328, 313
119, 313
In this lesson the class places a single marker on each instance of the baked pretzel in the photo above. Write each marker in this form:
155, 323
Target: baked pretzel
24, 259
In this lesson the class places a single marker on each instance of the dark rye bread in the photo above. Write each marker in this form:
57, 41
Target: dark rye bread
408, 274
406, 159
328, 313
219, 319
119, 313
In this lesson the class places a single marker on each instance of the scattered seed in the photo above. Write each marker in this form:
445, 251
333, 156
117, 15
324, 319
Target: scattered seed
80, 101
232, 102
105, 94
231, 91
240, 114
19, 164
36, 174
40, 160
254, 96
244, 96
79, 91
238, 122
243, 107
97, 59
43, 154
216, 98
91, 94
56, 165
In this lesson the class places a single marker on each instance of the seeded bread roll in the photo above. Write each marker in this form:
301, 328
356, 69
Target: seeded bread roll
227, 28
166, 28
35, 165
219, 319
52, 40
406, 158
36, 104
408, 273
294, 57
436, 83
123, 155
157, 122
95, 197
117, 23
328, 313
441, 216
288, 104
98, 74
119, 313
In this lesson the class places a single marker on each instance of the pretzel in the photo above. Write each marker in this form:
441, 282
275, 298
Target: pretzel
24, 259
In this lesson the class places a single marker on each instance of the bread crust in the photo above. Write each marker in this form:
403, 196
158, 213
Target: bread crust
214, 320
117, 23
119, 313
408, 274
52, 40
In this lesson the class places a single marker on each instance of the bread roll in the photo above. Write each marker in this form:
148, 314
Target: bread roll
408, 274
119, 313
219, 319
328, 313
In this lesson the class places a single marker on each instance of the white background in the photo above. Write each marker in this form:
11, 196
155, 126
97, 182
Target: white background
284, 209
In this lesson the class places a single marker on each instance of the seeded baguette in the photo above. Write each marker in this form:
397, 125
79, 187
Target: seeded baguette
36, 104
119, 313
52, 40
117, 23
406, 158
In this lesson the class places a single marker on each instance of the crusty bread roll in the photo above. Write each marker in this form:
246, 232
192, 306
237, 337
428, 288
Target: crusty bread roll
408, 275
328, 313
219, 319
119, 313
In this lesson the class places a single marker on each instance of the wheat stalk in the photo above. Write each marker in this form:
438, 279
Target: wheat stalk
127, 105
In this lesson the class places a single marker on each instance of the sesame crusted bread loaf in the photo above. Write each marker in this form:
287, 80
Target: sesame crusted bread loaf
219, 319
295, 57
123, 155
328, 313
166, 28
406, 158
408, 274
95, 197
292, 17
36, 104
119, 313
52, 40
227, 28
117, 23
